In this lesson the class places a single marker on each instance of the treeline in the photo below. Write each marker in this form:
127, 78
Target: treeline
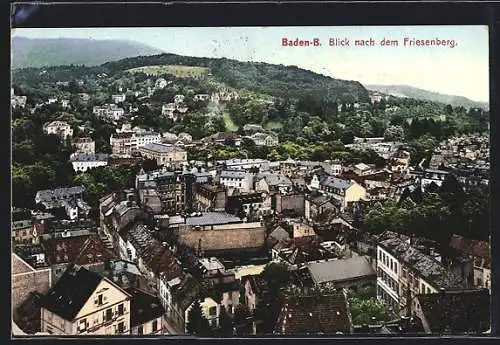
437, 213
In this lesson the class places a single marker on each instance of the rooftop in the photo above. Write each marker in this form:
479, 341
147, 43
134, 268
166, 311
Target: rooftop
144, 307
89, 157
162, 148
212, 218
311, 315
341, 270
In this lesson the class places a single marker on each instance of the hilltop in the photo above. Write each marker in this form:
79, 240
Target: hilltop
27, 52
413, 92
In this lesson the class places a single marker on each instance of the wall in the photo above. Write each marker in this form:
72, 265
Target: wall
294, 202
26, 279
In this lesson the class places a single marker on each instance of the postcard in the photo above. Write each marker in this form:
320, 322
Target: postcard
250, 181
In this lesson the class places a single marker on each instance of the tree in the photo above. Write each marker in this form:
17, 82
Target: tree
368, 311
276, 275
197, 323
394, 133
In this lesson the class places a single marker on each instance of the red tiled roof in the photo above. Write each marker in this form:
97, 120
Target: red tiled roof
314, 315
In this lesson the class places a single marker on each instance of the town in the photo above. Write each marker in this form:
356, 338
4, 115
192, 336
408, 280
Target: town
177, 224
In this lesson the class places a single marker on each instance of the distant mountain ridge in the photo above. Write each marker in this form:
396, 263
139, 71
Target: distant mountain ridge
46, 52
416, 93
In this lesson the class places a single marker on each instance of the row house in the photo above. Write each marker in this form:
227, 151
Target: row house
273, 183
59, 128
403, 271
166, 193
209, 197
237, 179
253, 205
84, 145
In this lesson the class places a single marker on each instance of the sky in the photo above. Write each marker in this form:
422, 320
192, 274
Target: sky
462, 70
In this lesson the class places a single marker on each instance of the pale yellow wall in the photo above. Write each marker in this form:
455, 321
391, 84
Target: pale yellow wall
354, 193
93, 314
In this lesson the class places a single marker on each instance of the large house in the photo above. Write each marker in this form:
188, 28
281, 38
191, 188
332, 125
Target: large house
264, 139
164, 154
68, 198
346, 192
128, 142
82, 162
84, 145
83, 302
109, 111
59, 128
237, 179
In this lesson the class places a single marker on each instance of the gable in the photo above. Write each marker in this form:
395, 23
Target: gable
111, 295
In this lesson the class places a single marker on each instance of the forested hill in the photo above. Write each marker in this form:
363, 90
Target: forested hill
275, 80
28, 52
413, 92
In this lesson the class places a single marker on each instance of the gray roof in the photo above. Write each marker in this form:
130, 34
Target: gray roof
90, 157
212, 218
162, 148
275, 179
58, 193
340, 270
334, 182
280, 234
426, 266
232, 174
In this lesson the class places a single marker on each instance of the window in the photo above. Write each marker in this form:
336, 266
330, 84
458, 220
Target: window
155, 325
82, 325
120, 309
140, 330
99, 299
109, 315
212, 311
121, 327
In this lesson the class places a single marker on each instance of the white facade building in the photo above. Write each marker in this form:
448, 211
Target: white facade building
82, 162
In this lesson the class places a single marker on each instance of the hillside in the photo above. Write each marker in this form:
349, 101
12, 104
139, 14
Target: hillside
413, 92
275, 80
28, 52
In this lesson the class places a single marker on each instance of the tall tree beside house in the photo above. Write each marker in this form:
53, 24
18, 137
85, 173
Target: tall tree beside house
276, 275
243, 320
368, 311
197, 323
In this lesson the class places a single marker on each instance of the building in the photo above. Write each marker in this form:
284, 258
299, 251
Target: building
209, 197
290, 203
83, 302
84, 145
454, 312
252, 205
403, 271
264, 139
26, 232
165, 193
480, 253
433, 176
82, 162
27, 278
17, 101
355, 274
119, 98
109, 111
126, 143
237, 179
146, 314
59, 128
346, 192
310, 315
164, 154
69, 199
315, 206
